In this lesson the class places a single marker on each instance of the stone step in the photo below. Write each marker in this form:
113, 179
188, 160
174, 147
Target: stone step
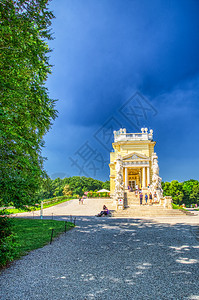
133, 201
188, 213
132, 196
150, 211
132, 204
142, 214
133, 208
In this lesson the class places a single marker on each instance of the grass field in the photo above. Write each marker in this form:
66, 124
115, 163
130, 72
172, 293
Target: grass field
33, 233
35, 208
175, 206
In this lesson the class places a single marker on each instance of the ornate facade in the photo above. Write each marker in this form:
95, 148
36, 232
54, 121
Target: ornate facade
134, 164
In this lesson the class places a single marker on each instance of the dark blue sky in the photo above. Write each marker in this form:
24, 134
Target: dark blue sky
106, 51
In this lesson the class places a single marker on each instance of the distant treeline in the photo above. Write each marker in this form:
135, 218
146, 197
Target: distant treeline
75, 185
186, 192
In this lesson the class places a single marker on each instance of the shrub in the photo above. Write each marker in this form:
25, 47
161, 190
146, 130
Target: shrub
8, 245
98, 195
57, 199
67, 191
8, 250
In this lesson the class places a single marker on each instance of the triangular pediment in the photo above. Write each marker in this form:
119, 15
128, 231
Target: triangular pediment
135, 156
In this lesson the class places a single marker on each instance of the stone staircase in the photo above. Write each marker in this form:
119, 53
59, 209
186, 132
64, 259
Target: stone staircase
134, 209
147, 211
131, 199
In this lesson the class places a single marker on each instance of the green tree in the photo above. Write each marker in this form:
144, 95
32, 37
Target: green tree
190, 191
175, 190
166, 188
106, 185
57, 186
78, 185
45, 189
26, 111
194, 195
67, 191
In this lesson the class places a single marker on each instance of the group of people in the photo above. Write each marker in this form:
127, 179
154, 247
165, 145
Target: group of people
131, 189
147, 197
194, 205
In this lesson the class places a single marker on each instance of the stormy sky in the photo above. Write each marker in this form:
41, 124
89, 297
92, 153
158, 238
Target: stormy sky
132, 64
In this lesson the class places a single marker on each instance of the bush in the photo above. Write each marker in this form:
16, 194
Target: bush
186, 192
8, 249
98, 195
57, 199
175, 206
8, 245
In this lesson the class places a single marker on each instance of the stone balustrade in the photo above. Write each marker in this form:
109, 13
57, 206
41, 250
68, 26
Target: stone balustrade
122, 135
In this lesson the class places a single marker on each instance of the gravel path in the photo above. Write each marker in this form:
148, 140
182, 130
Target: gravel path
106, 258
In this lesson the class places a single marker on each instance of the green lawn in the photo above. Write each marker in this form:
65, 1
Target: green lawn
175, 206
32, 233
34, 208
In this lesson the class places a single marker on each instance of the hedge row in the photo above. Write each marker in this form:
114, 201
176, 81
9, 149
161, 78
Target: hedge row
98, 195
59, 198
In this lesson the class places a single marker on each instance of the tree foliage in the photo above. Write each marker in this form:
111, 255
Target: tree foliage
76, 184
186, 192
67, 191
26, 111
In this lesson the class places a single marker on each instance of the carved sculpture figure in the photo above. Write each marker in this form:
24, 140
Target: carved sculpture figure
156, 179
119, 185
119, 164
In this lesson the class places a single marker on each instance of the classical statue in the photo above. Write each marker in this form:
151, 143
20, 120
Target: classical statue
118, 166
119, 185
156, 179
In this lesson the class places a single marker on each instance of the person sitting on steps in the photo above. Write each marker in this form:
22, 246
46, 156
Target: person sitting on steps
104, 212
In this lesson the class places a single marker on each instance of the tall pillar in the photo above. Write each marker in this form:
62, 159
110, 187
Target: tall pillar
126, 178
143, 178
140, 179
148, 176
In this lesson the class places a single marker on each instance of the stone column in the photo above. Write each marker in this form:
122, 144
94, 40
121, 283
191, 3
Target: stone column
140, 179
148, 176
143, 178
126, 178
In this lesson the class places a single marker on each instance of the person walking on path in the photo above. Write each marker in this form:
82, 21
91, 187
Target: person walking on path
141, 197
155, 197
146, 198
150, 198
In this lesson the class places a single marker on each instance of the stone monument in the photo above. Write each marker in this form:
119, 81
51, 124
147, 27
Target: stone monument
134, 168
119, 185
156, 179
